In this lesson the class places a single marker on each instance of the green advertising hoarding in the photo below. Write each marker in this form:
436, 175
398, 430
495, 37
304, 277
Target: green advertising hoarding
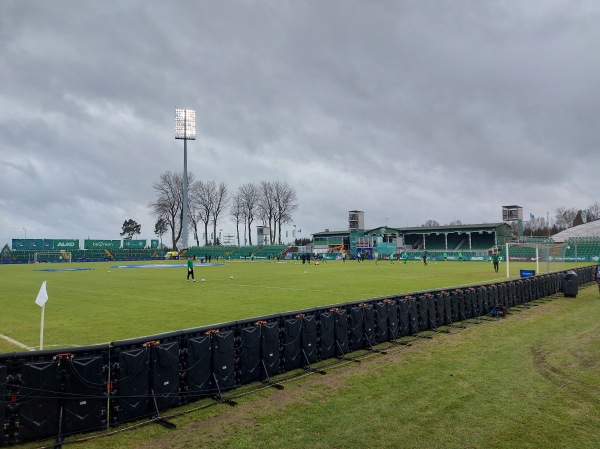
154, 243
66, 244
44, 244
32, 244
102, 244
134, 244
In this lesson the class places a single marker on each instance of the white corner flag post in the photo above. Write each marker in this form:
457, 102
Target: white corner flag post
41, 299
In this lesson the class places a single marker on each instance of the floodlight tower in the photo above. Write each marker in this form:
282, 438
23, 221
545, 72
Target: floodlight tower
185, 128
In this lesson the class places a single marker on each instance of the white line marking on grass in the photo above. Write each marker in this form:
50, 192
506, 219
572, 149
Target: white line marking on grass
273, 287
16, 343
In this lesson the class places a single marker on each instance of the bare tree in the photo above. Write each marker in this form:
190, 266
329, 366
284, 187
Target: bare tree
593, 212
237, 214
202, 199
564, 217
194, 215
169, 202
196, 211
219, 203
267, 207
249, 194
430, 224
536, 226
285, 204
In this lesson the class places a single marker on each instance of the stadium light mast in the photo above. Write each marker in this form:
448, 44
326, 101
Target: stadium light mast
185, 129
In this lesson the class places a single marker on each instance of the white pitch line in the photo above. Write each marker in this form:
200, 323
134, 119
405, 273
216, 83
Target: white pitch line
16, 343
272, 287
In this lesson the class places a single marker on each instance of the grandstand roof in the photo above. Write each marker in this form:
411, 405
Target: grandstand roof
421, 229
591, 229
448, 228
331, 233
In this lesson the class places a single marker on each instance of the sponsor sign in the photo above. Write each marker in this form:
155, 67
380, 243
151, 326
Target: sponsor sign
28, 244
573, 259
527, 273
154, 243
66, 244
522, 258
102, 244
134, 244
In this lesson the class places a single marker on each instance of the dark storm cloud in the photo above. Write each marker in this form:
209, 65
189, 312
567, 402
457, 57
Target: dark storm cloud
408, 110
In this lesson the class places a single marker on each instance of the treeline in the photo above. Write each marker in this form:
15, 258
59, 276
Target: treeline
270, 204
564, 218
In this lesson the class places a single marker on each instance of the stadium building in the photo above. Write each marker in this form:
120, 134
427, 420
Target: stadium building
470, 242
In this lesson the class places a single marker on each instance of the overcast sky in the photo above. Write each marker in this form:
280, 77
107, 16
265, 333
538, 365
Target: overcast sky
407, 110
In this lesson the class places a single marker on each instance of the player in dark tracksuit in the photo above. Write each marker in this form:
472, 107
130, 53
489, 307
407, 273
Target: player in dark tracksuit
495, 260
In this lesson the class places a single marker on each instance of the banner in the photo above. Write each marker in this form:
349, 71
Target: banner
154, 243
134, 244
66, 244
102, 244
28, 244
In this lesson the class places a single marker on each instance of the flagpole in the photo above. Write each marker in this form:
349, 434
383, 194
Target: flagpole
42, 328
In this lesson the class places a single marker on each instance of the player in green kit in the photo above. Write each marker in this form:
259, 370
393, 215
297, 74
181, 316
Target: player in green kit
190, 269
495, 260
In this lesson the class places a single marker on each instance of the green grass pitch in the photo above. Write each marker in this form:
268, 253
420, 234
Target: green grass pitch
527, 381
104, 303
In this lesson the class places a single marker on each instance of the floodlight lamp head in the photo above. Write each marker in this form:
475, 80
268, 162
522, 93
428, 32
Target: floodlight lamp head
185, 124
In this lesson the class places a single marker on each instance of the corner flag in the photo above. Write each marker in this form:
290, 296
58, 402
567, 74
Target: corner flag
42, 296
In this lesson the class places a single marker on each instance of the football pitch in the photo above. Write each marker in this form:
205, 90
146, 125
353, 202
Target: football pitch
91, 303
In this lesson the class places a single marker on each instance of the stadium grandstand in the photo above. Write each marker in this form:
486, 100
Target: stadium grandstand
457, 242
468, 242
69, 250
582, 242
585, 231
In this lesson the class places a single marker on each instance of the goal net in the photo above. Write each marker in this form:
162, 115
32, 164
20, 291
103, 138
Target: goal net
52, 256
542, 257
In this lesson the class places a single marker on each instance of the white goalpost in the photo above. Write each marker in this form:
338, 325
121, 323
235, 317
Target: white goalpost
537, 258
52, 256
537, 252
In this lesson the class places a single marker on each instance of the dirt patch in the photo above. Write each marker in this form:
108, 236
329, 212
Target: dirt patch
553, 374
561, 378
